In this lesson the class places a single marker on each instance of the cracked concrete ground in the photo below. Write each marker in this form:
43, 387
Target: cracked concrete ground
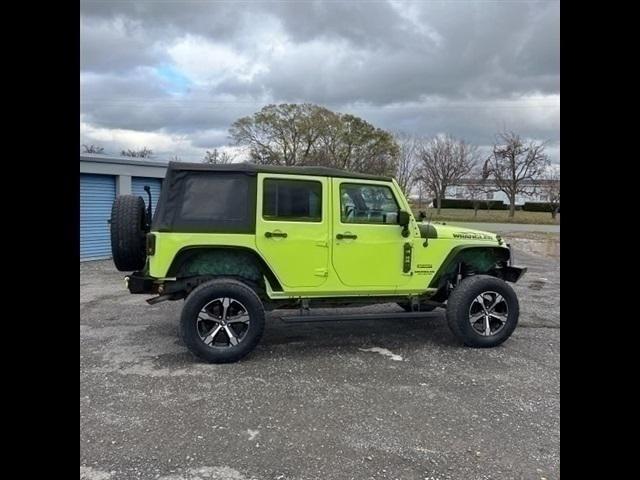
354, 400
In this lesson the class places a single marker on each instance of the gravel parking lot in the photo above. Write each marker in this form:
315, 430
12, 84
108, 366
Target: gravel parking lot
342, 400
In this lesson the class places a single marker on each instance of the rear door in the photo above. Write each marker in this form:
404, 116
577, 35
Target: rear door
292, 227
367, 241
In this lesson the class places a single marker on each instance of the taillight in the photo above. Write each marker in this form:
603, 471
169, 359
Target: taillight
151, 244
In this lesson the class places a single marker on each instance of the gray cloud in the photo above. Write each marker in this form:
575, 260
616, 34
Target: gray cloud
190, 68
139, 102
115, 45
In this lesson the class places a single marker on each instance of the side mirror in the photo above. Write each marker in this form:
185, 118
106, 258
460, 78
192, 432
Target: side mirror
403, 218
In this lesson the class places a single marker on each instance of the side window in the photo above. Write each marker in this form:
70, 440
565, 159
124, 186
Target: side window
292, 200
361, 203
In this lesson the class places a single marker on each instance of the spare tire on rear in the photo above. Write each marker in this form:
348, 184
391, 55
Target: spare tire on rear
128, 232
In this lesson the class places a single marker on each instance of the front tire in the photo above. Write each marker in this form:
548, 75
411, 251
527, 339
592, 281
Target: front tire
482, 311
222, 321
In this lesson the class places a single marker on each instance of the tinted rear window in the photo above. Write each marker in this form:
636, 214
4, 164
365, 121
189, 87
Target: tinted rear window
208, 202
292, 200
214, 198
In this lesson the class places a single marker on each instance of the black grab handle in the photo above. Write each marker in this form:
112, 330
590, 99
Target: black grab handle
275, 234
341, 236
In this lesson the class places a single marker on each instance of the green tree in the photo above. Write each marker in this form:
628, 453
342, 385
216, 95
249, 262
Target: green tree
306, 134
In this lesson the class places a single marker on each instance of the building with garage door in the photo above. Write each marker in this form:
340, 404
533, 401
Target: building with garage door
103, 177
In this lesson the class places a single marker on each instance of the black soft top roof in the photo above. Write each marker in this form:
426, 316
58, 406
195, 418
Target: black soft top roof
252, 169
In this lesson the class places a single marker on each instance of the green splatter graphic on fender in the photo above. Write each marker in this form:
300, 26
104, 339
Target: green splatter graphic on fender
480, 259
221, 262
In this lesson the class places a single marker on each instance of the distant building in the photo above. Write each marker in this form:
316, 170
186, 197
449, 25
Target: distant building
467, 187
102, 177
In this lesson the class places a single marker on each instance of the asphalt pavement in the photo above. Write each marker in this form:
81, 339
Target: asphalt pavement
385, 399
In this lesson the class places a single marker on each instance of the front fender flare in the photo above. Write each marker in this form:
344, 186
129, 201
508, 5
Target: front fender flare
464, 254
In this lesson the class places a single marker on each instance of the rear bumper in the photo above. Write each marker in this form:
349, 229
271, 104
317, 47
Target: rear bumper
137, 282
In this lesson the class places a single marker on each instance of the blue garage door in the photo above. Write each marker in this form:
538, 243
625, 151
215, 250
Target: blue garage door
137, 188
97, 193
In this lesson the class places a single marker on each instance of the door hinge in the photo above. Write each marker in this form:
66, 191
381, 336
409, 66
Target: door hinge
322, 243
321, 272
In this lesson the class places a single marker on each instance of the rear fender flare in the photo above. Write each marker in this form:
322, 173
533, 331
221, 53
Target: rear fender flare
228, 261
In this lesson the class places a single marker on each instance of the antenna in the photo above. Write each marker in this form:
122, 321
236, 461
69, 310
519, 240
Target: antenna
426, 238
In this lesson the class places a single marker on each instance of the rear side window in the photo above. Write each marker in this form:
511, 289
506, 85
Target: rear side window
214, 199
292, 200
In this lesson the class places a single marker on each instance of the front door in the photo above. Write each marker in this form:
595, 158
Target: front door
367, 241
292, 227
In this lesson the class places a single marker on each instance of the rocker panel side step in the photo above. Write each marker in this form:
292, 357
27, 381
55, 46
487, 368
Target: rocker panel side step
353, 317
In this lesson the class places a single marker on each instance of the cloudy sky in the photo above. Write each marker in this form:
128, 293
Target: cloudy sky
173, 75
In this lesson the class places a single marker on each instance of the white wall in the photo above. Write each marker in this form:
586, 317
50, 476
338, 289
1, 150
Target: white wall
462, 192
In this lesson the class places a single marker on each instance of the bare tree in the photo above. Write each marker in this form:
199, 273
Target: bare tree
406, 165
551, 190
479, 189
93, 149
216, 157
420, 195
444, 160
514, 164
476, 195
144, 152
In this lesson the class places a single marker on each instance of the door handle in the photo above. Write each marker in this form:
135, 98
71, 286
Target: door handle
341, 236
275, 234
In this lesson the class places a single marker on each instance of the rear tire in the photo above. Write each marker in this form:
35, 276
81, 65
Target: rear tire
128, 233
482, 311
222, 321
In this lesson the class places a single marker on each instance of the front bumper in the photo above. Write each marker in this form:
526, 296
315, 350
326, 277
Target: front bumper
137, 282
512, 274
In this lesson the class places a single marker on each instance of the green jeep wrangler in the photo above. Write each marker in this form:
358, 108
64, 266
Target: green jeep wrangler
237, 240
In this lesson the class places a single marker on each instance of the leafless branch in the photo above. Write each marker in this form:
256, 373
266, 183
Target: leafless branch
515, 164
444, 160
216, 157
